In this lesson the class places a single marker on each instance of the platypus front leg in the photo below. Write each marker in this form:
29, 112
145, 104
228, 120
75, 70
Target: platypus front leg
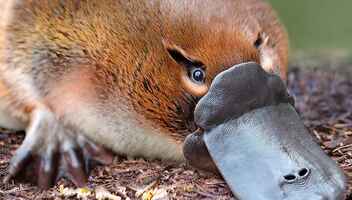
51, 150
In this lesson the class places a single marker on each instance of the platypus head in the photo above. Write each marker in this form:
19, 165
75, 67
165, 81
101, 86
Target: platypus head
249, 131
202, 77
258, 142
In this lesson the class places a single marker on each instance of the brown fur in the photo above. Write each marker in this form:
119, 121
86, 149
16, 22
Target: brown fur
108, 56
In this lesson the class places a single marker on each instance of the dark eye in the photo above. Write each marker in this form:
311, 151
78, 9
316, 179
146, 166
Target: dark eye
259, 41
195, 69
198, 75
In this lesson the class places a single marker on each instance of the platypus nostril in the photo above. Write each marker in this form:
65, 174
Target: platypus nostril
290, 178
304, 172
299, 175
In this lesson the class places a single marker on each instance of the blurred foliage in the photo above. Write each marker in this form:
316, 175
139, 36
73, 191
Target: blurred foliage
317, 24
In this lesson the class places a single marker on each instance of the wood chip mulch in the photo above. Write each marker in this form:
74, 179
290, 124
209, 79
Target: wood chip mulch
324, 100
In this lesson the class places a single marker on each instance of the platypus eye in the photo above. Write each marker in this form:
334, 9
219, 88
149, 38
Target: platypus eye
194, 68
192, 73
259, 41
197, 75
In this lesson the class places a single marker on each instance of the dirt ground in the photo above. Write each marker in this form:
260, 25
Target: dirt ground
323, 98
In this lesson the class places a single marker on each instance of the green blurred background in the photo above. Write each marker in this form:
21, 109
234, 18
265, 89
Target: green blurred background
317, 24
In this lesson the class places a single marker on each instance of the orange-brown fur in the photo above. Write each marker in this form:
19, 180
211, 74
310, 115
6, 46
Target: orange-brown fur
110, 56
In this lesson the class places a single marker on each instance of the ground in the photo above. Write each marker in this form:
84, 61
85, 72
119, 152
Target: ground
323, 98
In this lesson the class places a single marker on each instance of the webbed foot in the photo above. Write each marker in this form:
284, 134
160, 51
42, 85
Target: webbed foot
51, 151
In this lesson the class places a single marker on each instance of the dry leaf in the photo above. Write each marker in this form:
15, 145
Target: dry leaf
102, 194
80, 193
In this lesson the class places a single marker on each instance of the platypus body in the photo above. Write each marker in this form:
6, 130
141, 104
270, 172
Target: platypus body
128, 76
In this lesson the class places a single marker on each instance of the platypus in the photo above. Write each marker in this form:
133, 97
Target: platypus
158, 79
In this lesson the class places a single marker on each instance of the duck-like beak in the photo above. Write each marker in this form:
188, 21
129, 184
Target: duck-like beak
258, 142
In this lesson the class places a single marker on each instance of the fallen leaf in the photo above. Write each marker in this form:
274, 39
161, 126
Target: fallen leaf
102, 194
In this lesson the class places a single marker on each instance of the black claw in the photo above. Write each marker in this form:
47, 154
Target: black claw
45, 169
47, 172
75, 167
44, 179
19, 161
98, 153
95, 155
